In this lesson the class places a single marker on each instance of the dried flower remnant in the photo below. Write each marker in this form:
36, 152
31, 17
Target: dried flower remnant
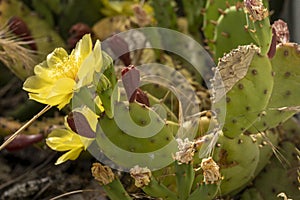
141, 175
186, 151
282, 31
142, 17
256, 10
211, 170
103, 174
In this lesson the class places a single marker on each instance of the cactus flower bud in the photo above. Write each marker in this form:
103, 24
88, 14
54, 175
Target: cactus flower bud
131, 82
22, 141
19, 27
120, 48
77, 31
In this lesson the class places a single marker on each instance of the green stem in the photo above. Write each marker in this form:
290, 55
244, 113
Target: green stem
116, 191
156, 189
184, 177
204, 192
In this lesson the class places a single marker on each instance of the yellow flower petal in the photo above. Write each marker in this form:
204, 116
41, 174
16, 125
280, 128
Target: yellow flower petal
86, 72
35, 84
41, 70
97, 52
98, 103
92, 63
63, 140
70, 155
62, 86
61, 74
56, 57
83, 47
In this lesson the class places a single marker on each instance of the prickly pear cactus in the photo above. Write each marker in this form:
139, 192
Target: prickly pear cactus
280, 176
237, 165
258, 24
248, 82
212, 11
267, 143
250, 194
226, 37
134, 141
284, 100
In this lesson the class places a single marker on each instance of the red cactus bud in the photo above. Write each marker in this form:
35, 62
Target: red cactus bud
22, 141
120, 48
130, 79
77, 31
131, 82
17, 26
272, 49
80, 125
140, 96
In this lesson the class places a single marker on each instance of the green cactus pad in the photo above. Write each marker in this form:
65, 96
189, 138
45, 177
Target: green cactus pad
266, 142
184, 178
204, 192
237, 166
251, 194
212, 11
280, 177
238, 159
292, 127
286, 91
259, 26
131, 137
248, 83
230, 32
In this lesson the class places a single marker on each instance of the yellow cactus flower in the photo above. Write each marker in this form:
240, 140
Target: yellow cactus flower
69, 141
57, 78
